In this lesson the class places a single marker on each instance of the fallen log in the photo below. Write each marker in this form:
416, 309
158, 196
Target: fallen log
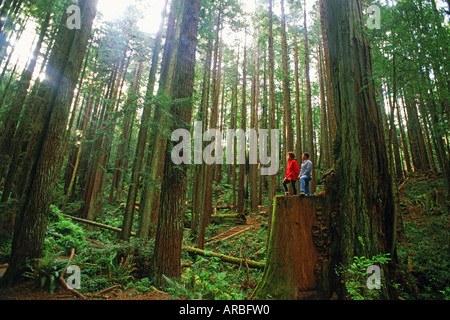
231, 218
223, 207
105, 290
225, 258
96, 224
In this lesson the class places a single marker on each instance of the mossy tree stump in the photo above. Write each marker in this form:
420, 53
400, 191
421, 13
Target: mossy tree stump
291, 256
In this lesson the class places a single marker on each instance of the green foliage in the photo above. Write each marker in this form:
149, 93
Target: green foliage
425, 258
48, 270
205, 279
65, 235
5, 249
355, 276
141, 286
113, 264
210, 278
223, 193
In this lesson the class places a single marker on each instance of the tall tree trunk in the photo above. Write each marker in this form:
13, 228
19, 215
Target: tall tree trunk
79, 148
298, 149
197, 206
326, 150
218, 168
263, 183
405, 147
393, 141
443, 158
234, 127
150, 198
31, 225
326, 52
11, 137
102, 146
123, 152
427, 135
168, 245
144, 129
242, 167
289, 142
309, 115
272, 178
253, 171
361, 189
205, 217
415, 135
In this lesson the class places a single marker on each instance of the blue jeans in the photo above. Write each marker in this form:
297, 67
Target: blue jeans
304, 185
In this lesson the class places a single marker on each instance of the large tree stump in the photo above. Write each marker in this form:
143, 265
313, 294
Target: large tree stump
292, 256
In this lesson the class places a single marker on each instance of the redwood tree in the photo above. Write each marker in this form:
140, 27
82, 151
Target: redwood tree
57, 93
167, 257
361, 188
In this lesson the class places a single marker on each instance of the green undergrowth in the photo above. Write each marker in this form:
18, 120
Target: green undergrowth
105, 262
212, 279
423, 255
424, 247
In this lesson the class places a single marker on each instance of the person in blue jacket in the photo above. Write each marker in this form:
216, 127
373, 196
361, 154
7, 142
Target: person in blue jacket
305, 175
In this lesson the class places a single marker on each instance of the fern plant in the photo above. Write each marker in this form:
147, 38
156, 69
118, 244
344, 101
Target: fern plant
355, 276
47, 270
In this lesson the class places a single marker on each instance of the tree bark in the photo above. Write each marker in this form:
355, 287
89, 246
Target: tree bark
326, 150
309, 115
123, 152
415, 135
361, 189
150, 198
31, 226
298, 148
242, 167
144, 129
199, 185
253, 171
405, 148
272, 179
286, 84
291, 254
205, 217
169, 235
12, 136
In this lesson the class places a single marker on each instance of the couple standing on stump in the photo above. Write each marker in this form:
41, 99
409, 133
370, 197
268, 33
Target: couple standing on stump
293, 174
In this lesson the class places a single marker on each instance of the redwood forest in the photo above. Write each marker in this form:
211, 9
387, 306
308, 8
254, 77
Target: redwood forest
227, 150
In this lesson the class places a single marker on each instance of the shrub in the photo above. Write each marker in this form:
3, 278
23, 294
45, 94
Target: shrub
65, 235
355, 277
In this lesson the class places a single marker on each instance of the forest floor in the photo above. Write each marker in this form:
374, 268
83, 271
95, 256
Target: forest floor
218, 235
33, 291
423, 256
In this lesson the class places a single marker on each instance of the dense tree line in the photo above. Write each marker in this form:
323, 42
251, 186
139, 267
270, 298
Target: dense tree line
86, 123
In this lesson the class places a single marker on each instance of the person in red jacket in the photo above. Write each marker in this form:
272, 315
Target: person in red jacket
292, 173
